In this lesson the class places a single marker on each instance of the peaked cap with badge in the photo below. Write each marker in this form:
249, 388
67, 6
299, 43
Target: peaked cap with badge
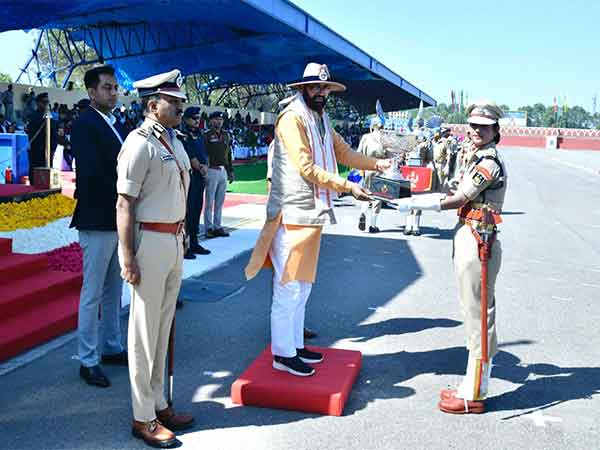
315, 73
168, 83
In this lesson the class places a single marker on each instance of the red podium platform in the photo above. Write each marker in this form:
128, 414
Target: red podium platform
325, 392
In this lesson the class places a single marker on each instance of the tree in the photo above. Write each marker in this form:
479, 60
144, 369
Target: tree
5, 78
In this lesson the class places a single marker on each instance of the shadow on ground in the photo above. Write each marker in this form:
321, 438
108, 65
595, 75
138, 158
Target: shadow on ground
48, 406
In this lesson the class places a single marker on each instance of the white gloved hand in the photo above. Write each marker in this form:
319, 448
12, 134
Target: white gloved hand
427, 202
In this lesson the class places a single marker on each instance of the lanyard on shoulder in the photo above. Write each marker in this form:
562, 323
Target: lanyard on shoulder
168, 147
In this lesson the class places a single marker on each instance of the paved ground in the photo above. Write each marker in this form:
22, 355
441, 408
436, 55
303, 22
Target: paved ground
394, 299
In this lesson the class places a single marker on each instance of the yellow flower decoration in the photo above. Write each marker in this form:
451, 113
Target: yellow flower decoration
36, 212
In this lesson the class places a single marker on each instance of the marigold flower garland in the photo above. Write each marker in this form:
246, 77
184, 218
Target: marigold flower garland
35, 213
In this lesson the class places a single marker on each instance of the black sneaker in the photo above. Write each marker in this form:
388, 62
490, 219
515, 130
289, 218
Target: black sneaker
189, 254
308, 356
362, 222
373, 230
294, 365
210, 233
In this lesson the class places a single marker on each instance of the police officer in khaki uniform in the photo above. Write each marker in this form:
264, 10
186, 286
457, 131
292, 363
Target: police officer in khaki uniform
479, 198
153, 180
220, 170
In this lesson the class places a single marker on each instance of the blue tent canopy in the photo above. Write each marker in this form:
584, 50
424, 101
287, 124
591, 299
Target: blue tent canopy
238, 41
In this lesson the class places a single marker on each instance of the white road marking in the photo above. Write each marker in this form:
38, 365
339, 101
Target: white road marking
348, 260
552, 279
219, 374
377, 308
378, 266
555, 297
539, 420
385, 252
206, 392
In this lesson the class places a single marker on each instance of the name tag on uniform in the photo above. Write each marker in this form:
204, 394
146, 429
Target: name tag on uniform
166, 157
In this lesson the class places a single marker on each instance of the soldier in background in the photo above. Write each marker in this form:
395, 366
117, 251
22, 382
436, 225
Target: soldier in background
36, 130
377, 145
421, 156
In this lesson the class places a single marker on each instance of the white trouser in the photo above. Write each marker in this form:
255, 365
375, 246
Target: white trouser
475, 383
289, 301
375, 210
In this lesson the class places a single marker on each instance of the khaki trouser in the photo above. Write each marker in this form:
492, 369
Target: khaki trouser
159, 257
468, 274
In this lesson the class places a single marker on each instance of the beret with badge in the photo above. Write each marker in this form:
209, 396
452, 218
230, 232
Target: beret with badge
191, 111
216, 115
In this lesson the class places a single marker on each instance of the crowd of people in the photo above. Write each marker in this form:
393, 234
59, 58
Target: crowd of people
244, 131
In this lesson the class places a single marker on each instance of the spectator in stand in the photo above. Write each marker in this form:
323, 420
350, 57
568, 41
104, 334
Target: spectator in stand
96, 143
36, 130
220, 170
8, 102
54, 111
194, 145
28, 99
4, 124
83, 105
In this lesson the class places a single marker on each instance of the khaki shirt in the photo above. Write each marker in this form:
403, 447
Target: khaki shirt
147, 171
482, 181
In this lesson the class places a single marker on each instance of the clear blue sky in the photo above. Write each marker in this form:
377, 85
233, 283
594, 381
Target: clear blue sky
514, 52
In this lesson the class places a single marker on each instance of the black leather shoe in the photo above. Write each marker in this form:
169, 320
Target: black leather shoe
373, 230
220, 232
189, 254
199, 250
362, 222
94, 376
118, 359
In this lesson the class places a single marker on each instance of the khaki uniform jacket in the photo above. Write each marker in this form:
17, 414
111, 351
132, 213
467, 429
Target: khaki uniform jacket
148, 172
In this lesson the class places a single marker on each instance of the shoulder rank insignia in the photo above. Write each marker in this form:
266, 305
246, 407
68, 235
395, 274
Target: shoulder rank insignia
143, 132
157, 130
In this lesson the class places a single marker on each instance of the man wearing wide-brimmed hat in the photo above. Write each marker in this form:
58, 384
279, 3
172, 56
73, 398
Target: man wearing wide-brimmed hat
304, 182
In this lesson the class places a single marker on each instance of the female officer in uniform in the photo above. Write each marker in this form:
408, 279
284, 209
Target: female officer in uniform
478, 197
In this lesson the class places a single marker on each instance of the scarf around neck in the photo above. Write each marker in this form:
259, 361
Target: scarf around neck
321, 146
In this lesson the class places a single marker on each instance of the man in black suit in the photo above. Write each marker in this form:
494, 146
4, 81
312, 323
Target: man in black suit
96, 142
